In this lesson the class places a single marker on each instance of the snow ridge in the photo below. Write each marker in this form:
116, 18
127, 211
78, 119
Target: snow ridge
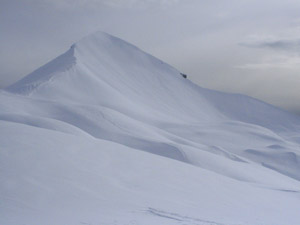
105, 131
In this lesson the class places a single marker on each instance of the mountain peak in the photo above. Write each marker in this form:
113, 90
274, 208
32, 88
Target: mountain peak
99, 52
95, 42
101, 40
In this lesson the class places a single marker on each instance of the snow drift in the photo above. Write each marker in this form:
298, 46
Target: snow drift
107, 134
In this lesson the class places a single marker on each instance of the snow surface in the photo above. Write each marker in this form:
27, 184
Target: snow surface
106, 134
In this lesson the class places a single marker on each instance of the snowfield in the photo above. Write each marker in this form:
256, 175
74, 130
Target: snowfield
106, 134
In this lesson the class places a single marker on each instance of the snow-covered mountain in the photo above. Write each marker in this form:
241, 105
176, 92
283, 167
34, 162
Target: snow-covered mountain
106, 134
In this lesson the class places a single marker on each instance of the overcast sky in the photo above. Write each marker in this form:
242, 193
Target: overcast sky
243, 46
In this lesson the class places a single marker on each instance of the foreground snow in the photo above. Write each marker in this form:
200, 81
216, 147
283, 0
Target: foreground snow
106, 134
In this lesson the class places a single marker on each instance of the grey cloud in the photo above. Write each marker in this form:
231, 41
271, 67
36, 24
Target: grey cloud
280, 44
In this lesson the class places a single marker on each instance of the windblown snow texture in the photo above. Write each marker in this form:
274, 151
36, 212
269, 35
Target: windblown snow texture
106, 134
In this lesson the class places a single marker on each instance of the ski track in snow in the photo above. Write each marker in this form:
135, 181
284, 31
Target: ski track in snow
181, 219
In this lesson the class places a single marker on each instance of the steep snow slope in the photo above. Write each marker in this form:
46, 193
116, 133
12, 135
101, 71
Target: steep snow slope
76, 134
